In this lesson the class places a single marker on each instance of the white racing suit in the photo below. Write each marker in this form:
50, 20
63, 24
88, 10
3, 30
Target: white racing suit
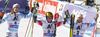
13, 23
48, 28
80, 28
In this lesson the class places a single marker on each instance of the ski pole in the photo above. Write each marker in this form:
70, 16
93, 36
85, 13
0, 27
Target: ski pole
27, 27
56, 16
30, 28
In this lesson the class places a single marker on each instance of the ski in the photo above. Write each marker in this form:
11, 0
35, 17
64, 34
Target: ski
33, 16
96, 22
72, 25
2, 13
6, 4
94, 33
56, 17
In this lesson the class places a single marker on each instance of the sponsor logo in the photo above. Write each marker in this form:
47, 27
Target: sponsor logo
77, 12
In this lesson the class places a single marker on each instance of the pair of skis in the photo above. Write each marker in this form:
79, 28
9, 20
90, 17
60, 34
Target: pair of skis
56, 20
96, 23
95, 27
56, 17
30, 28
72, 25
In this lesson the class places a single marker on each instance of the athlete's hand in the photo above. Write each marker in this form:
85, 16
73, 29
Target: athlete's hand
33, 8
96, 16
1, 15
56, 16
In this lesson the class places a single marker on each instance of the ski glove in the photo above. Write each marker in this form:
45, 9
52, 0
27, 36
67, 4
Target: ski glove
34, 11
1, 15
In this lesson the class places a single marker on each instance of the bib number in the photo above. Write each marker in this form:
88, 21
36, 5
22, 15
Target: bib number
13, 26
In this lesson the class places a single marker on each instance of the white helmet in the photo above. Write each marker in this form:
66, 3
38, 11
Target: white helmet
16, 5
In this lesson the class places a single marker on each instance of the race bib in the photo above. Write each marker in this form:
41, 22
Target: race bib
49, 34
78, 36
13, 26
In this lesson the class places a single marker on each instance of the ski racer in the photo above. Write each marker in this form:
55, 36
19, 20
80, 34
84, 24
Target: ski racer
66, 16
13, 19
80, 27
49, 25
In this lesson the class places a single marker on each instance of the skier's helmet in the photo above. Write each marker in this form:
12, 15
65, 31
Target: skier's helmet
16, 5
49, 14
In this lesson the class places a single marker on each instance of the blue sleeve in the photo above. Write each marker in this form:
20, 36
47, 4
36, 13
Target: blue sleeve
29, 15
67, 22
22, 15
26, 16
92, 24
6, 18
91, 27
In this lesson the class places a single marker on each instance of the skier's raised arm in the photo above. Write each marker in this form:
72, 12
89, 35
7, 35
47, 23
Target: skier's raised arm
66, 18
34, 10
5, 17
27, 13
91, 25
8, 16
13, 20
3, 12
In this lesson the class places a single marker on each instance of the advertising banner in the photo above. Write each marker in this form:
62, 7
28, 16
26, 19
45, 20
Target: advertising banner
47, 6
88, 15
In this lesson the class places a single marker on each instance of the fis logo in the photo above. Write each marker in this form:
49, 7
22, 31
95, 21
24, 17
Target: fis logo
61, 7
